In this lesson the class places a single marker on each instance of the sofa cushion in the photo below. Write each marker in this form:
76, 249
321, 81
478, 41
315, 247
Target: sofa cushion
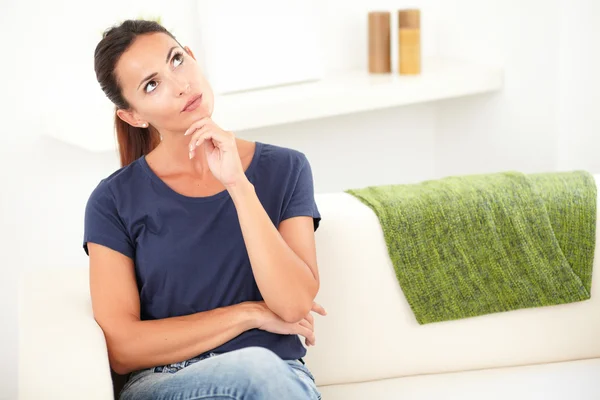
559, 381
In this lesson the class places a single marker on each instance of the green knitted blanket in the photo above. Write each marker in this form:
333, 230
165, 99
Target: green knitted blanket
480, 244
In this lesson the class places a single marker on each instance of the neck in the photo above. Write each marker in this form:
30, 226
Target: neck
173, 155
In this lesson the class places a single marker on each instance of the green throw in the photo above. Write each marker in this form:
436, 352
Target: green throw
465, 246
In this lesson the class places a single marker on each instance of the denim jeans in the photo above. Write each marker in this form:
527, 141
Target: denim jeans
253, 373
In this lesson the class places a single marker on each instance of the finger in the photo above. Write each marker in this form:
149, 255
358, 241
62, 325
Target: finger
196, 139
310, 319
197, 125
307, 333
209, 146
318, 309
204, 135
306, 324
222, 139
195, 142
225, 141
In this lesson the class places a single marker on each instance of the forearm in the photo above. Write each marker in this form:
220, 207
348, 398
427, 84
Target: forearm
285, 281
143, 344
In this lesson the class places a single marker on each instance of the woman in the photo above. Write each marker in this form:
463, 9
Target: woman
202, 254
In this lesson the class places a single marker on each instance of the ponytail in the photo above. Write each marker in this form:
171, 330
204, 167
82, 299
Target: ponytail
134, 142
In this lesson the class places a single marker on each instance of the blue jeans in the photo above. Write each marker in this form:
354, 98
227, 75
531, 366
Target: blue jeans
249, 374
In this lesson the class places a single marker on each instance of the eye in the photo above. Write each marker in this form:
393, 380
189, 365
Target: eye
177, 59
150, 86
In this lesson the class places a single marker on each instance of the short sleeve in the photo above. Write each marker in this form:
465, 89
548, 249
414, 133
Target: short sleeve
302, 197
103, 224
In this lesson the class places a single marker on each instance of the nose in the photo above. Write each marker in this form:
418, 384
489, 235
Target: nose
184, 89
181, 86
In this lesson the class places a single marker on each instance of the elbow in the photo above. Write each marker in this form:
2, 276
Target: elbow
292, 316
119, 368
295, 312
120, 347
296, 306
120, 363
119, 360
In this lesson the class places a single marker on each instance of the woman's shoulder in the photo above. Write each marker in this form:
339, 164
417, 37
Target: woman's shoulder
286, 158
124, 178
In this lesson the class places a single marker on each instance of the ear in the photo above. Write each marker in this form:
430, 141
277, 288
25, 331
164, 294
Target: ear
130, 117
189, 51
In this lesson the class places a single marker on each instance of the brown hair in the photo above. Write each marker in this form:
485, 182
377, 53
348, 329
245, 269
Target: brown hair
134, 142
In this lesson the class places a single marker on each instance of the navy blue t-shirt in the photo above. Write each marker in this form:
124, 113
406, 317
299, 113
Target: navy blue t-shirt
189, 252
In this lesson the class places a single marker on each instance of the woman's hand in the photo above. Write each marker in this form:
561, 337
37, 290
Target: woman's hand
272, 323
220, 148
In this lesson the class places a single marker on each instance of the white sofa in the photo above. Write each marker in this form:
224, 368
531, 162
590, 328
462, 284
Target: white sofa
368, 347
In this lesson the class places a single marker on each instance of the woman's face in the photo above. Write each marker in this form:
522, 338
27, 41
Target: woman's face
158, 78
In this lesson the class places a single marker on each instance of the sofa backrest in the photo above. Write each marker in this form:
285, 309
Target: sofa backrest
370, 331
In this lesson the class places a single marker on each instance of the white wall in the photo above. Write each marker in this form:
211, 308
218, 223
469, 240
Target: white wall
579, 85
544, 118
385, 146
517, 128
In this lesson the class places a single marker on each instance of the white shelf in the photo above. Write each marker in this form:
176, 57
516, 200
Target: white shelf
343, 93
353, 91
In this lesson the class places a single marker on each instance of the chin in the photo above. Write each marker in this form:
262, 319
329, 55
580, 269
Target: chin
203, 112
209, 110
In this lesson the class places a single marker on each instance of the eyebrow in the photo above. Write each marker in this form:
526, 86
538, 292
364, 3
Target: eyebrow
154, 74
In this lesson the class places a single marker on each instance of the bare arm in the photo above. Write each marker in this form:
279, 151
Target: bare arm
134, 344
283, 258
283, 261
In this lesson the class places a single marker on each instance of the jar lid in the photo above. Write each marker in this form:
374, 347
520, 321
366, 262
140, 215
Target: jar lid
410, 19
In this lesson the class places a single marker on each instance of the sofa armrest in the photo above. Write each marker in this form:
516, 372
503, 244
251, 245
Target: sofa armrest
62, 350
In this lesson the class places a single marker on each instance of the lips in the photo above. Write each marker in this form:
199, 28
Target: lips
193, 103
